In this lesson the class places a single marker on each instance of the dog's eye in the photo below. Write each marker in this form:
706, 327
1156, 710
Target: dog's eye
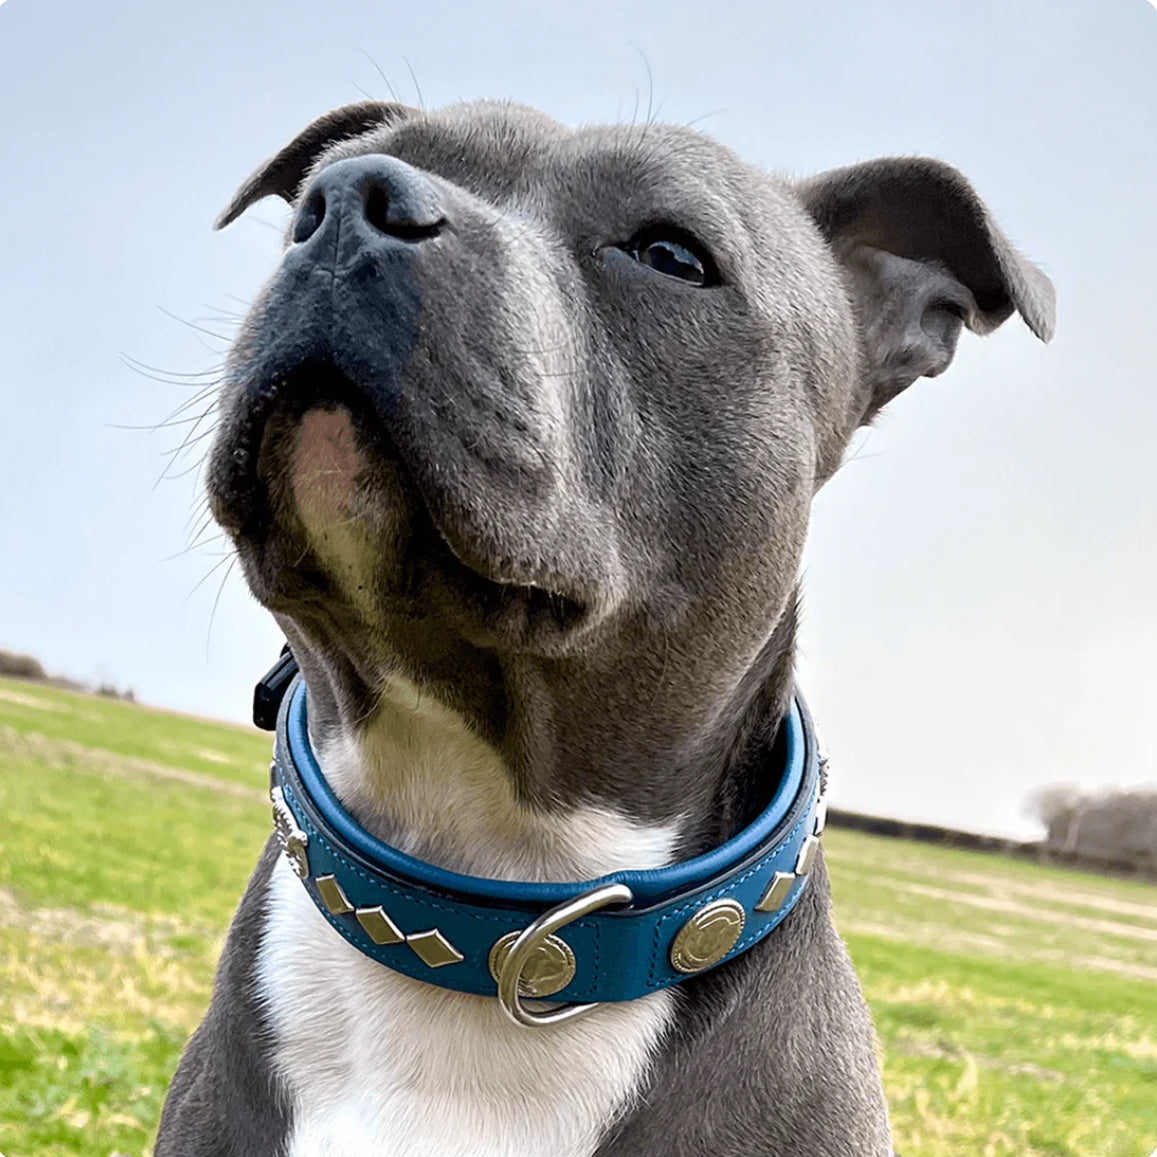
674, 255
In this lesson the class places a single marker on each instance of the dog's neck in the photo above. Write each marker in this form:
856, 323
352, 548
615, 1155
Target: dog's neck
419, 777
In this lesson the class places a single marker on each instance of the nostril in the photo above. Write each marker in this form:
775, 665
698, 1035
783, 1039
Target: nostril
377, 209
377, 196
395, 219
309, 217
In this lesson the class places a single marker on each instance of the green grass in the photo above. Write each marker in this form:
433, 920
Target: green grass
227, 752
129, 834
1016, 1004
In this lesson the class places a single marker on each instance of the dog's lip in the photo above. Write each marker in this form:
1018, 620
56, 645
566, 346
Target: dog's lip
493, 586
496, 587
510, 609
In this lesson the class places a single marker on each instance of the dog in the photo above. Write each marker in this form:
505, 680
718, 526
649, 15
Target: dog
518, 445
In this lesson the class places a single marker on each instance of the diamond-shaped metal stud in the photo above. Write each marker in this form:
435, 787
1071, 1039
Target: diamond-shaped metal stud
379, 927
821, 816
777, 891
332, 896
433, 948
807, 856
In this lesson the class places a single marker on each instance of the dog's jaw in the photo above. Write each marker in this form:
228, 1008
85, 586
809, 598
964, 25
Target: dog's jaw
413, 770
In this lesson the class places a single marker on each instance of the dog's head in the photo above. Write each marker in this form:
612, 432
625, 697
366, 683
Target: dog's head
534, 417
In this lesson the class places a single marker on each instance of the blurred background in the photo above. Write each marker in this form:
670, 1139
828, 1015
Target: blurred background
979, 612
979, 624
979, 585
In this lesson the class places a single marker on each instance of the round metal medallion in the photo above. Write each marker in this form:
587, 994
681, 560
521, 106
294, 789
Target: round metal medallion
708, 936
550, 969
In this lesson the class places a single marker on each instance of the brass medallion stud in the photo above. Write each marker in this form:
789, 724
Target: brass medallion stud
708, 936
550, 969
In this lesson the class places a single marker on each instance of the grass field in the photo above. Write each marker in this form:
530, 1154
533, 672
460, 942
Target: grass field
1016, 1004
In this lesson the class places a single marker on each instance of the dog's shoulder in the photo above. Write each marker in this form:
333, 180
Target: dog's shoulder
224, 1098
761, 1059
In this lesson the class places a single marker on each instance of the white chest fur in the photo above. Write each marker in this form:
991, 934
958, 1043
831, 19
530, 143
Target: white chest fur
376, 1064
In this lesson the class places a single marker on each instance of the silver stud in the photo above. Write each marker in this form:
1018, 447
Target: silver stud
777, 891
333, 897
708, 936
292, 839
434, 949
807, 856
821, 817
378, 926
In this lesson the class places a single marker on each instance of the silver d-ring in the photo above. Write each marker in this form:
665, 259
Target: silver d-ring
532, 936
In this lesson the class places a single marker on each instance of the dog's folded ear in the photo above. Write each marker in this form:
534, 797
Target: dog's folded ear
283, 173
922, 257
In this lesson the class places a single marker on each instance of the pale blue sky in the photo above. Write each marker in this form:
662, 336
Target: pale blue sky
979, 589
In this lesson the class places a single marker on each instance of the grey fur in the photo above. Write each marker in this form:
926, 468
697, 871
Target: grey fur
596, 481
225, 1072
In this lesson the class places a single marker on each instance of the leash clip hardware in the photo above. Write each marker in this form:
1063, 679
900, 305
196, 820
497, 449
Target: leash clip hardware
532, 937
268, 694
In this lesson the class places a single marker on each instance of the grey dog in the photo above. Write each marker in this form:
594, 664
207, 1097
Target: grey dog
518, 445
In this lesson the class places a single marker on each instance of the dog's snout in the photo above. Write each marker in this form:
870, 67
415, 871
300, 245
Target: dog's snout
379, 196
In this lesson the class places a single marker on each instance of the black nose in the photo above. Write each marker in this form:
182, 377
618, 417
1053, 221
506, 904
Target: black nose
378, 197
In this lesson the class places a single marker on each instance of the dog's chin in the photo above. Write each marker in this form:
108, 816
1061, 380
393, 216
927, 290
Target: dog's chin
322, 509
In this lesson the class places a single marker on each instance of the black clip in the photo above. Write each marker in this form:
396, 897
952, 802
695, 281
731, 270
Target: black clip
270, 691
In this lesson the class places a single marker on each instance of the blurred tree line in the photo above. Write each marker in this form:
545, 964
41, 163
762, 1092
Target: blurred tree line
1118, 825
17, 666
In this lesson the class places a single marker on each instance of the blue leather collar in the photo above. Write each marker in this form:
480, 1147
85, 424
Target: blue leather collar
442, 927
